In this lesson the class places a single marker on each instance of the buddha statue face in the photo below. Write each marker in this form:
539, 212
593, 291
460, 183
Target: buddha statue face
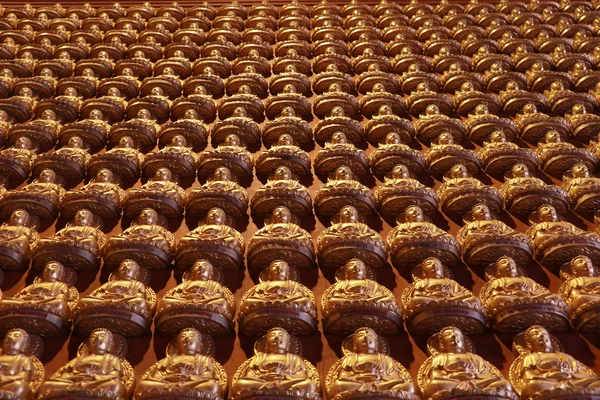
413, 214
459, 171
6, 73
339, 138
190, 113
282, 173
114, 92
423, 87
445, 138
287, 112
127, 72
103, 55
129, 270
547, 213
100, 341
245, 89
451, 340
343, 173
348, 214
337, 111
232, 140
156, 91
15, 342
48, 115
163, 174
126, 142
46, 72
289, 88
331, 68
278, 341
400, 171
392, 138
75, 142
18, 218
279, 270
512, 85
83, 218
580, 171
498, 137
178, 54
537, 340
105, 175
201, 90
71, 91
95, 114
454, 67
47, 176
467, 87
432, 109
282, 215
53, 272
365, 341
385, 110
520, 171
481, 212
139, 54
222, 174
556, 86
355, 270
178, 141
552, 137
23, 143
26, 92
148, 216
215, 216
432, 269
240, 112
481, 109
285, 140
506, 267
578, 109
189, 342
581, 266
202, 270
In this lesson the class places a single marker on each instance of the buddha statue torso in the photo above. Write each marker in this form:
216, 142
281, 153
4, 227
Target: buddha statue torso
199, 294
161, 193
176, 156
278, 301
342, 190
284, 190
340, 151
581, 291
16, 161
356, 301
285, 152
399, 191
124, 303
434, 301
123, 160
18, 238
21, 371
515, 302
103, 196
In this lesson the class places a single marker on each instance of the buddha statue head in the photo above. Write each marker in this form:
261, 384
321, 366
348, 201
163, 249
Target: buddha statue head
148, 216
281, 215
278, 270
75, 142
445, 138
506, 267
288, 112
385, 109
392, 138
126, 142
189, 342
355, 269
15, 342
547, 213
144, 113
48, 115
47, 176
538, 340
337, 111
344, 173
581, 266
23, 142
339, 138
413, 214
70, 91
240, 112
163, 174
451, 340
277, 341
202, 270
232, 140
216, 216
129, 270
96, 115
83, 217
100, 341
222, 174
26, 92
400, 171
432, 268
19, 218
498, 137
285, 139
348, 214
178, 141
282, 173
580, 171
105, 175
432, 109
552, 136
365, 341
529, 109
191, 113
578, 109
520, 170
481, 212
512, 86
53, 272
459, 171
481, 109
114, 92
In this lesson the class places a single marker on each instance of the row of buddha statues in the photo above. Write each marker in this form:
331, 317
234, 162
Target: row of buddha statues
541, 370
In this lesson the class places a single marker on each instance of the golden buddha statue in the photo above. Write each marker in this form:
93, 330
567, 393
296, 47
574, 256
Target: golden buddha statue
16, 161
514, 302
78, 245
124, 304
42, 198
161, 193
355, 301
213, 240
187, 371
102, 195
432, 121
18, 238
444, 153
22, 372
580, 292
176, 156
221, 190
99, 371
434, 301
367, 371
424, 96
454, 371
460, 192
483, 122
200, 301
393, 152
282, 189
124, 160
42, 131
240, 124
348, 238
336, 121
286, 153
582, 190
338, 150
524, 194
556, 242
70, 161
384, 122
143, 129
230, 154
498, 155
584, 125
278, 301
543, 371
146, 241
281, 238
342, 189
561, 100
557, 157
534, 124
46, 306
287, 122
93, 130
484, 239
467, 99
400, 191
276, 369
414, 240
